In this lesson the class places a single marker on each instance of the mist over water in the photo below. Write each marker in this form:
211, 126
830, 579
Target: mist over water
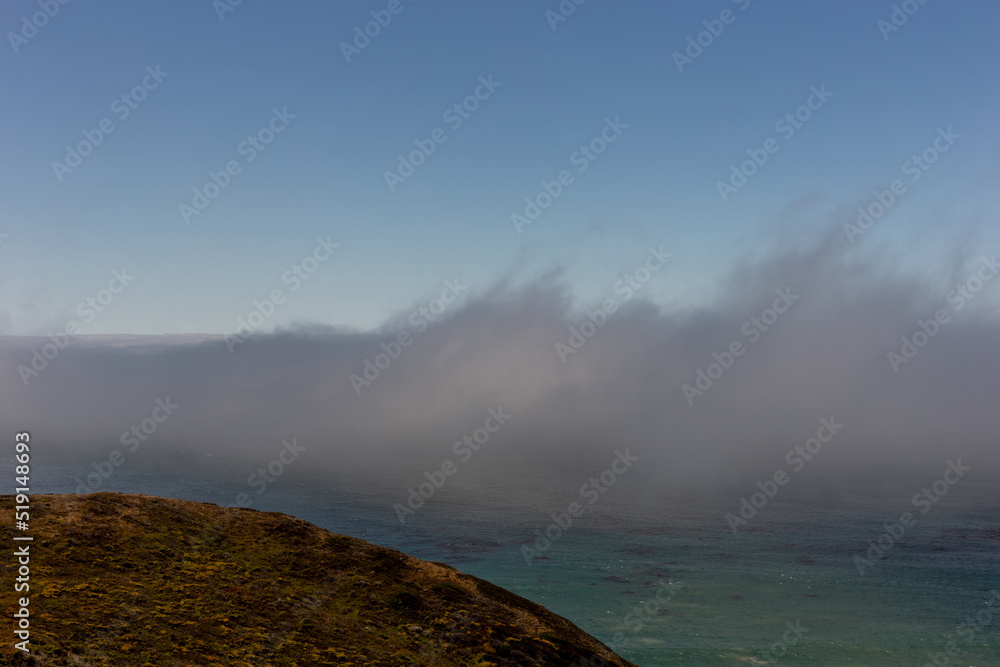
663, 383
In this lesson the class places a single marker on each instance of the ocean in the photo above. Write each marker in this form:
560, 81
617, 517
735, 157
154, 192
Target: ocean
662, 577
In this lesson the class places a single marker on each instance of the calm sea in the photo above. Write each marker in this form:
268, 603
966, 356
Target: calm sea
661, 577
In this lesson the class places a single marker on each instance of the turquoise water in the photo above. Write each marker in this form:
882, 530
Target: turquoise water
724, 598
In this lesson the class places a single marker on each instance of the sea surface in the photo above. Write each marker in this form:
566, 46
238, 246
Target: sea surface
661, 577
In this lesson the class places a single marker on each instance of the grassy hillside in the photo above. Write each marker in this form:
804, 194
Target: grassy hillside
137, 580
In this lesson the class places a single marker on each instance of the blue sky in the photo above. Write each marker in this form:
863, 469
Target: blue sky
323, 174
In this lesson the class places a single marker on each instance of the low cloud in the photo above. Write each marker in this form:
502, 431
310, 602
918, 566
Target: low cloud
826, 356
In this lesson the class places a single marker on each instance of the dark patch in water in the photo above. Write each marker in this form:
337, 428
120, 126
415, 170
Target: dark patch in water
633, 549
649, 530
467, 548
657, 573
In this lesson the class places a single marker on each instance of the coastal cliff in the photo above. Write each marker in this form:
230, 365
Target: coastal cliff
121, 579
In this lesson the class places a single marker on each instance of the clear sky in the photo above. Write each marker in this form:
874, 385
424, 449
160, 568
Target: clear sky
555, 86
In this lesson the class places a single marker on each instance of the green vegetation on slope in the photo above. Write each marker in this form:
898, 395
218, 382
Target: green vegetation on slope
136, 580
